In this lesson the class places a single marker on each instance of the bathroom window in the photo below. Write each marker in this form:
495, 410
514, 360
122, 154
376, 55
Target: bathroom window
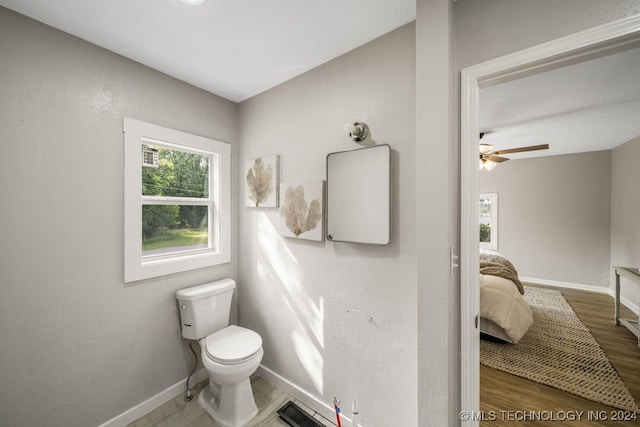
177, 201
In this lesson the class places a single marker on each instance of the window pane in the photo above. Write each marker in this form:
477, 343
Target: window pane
174, 228
485, 219
176, 173
489, 221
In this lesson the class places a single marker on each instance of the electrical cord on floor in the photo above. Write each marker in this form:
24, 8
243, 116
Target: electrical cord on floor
188, 395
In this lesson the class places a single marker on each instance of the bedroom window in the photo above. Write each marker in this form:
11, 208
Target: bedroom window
489, 221
177, 201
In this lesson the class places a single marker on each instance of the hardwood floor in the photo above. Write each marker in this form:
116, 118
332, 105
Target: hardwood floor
506, 399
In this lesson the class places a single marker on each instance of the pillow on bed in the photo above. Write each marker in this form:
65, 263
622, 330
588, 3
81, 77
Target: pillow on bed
489, 252
496, 265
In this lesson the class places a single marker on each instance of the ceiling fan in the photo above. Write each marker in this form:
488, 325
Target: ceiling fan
489, 159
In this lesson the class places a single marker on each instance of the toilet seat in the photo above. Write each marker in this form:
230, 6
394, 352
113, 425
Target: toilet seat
232, 345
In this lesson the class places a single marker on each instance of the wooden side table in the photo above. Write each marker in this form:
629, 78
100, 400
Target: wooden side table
632, 274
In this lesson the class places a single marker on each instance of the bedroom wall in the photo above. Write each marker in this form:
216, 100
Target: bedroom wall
554, 215
78, 346
337, 319
625, 221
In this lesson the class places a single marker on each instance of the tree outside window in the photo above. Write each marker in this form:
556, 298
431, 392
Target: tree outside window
177, 176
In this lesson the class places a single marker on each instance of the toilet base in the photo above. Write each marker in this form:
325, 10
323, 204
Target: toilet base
234, 408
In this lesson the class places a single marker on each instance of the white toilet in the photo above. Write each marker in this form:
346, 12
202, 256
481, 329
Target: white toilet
230, 353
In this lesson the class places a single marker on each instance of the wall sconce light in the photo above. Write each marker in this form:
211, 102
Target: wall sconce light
358, 131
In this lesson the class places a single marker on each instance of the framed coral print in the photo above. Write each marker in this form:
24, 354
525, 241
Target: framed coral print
301, 211
262, 182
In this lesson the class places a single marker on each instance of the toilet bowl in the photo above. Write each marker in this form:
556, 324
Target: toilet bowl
230, 357
230, 353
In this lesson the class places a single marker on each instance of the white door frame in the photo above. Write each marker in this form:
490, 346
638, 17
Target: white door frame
594, 42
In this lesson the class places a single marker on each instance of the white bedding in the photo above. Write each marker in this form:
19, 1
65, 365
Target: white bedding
502, 304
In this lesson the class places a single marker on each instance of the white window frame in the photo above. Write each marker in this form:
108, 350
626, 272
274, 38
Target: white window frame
492, 244
139, 267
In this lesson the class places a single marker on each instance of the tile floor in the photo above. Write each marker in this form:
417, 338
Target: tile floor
178, 413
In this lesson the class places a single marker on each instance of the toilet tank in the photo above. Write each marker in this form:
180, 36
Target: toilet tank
205, 309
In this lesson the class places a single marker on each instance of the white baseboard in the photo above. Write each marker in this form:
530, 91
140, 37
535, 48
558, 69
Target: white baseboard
302, 395
569, 285
599, 289
142, 409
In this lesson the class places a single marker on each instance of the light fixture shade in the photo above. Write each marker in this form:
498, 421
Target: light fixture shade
489, 165
485, 148
193, 2
358, 131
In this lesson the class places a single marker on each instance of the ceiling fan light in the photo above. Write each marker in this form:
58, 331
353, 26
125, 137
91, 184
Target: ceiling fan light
481, 164
485, 148
489, 165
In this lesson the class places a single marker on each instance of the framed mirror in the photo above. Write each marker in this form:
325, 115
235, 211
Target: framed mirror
359, 195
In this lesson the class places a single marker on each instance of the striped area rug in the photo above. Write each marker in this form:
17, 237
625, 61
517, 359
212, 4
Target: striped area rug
559, 351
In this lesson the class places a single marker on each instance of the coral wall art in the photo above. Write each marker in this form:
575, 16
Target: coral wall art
262, 177
301, 211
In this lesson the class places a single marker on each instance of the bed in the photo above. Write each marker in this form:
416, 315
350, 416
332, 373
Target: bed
504, 314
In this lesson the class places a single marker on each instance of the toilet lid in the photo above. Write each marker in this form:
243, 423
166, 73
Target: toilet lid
232, 344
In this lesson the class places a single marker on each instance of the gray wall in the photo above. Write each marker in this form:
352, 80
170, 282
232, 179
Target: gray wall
436, 217
554, 215
489, 29
337, 319
78, 346
625, 206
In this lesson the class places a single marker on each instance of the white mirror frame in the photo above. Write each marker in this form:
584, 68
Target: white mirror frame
594, 42
359, 195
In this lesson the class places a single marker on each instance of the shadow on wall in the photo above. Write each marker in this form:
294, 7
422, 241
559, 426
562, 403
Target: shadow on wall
278, 265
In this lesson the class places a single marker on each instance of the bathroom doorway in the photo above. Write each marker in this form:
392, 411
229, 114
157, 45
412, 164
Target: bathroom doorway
599, 41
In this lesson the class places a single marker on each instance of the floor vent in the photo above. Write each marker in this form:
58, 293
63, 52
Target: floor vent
296, 417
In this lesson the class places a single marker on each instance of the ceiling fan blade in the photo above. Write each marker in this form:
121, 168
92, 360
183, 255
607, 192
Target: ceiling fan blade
495, 158
522, 149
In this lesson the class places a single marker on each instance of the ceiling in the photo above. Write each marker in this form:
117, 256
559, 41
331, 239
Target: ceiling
233, 48
240, 48
589, 106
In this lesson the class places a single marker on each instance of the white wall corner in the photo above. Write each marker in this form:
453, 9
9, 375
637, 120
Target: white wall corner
299, 393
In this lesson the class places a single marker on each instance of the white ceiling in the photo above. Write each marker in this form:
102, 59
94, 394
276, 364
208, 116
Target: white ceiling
240, 48
233, 48
590, 106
